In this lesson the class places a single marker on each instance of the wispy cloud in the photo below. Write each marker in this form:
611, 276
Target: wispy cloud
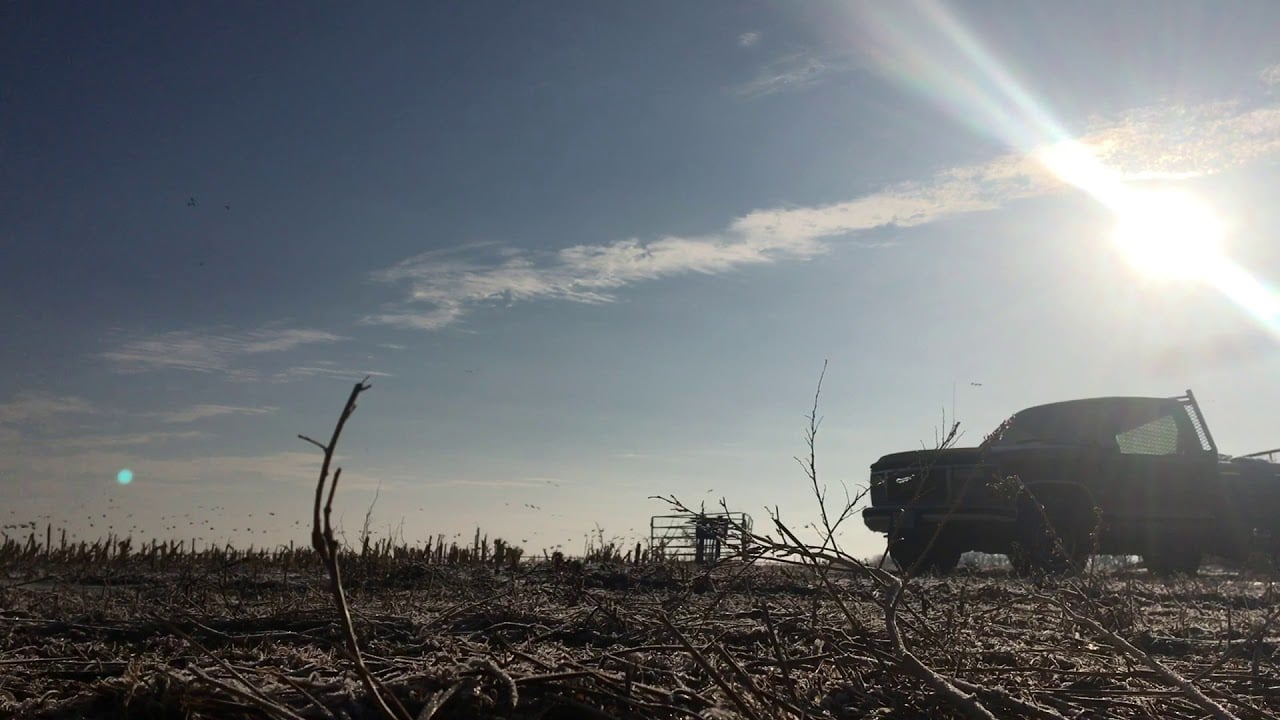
1168, 142
451, 284
309, 371
1182, 141
518, 483
210, 352
1270, 76
36, 407
444, 286
31, 415
749, 39
200, 412
107, 442
951, 192
795, 71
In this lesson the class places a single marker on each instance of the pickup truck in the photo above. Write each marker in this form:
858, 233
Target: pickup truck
1057, 483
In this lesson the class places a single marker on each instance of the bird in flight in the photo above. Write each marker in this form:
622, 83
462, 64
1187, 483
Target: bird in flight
191, 202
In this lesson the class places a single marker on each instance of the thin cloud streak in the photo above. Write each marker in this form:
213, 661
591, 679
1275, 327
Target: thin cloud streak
796, 71
36, 407
298, 373
1171, 142
202, 411
107, 442
452, 286
209, 352
493, 483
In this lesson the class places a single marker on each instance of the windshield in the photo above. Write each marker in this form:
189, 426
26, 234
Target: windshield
1026, 428
1132, 426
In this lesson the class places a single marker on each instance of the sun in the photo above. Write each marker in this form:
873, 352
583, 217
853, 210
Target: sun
1169, 234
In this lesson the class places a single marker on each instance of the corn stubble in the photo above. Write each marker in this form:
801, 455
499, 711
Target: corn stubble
793, 628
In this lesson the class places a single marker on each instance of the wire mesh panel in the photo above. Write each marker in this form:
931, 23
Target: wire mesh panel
699, 537
1158, 437
1201, 434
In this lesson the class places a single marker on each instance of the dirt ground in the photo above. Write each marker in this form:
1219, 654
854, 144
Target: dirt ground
256, 639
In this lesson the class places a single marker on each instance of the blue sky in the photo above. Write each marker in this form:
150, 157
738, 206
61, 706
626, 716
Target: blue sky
594, 252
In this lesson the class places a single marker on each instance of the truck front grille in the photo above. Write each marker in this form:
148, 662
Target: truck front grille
931, 487
908, 487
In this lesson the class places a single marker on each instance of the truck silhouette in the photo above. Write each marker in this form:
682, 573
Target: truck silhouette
1057, 483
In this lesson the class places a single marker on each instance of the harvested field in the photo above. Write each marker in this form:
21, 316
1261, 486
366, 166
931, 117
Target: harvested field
213, 635
786, 629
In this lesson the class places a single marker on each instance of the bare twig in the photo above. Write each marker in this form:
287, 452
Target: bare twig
317, 443
1187, 687
810, 462
966, 702
728, 689
998, 696
440, 697
778, 653
271, 709
326, 545
1254, 638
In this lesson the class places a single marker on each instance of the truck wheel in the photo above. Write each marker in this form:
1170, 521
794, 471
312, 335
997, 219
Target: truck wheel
1169, 560
911, 553
1054, 542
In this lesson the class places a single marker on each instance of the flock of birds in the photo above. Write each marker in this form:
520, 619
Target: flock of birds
200, 523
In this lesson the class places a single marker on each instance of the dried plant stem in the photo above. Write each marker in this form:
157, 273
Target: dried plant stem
998, 696
269, 708
967, 703
778, 653
326, 546
1188, 688
702, 661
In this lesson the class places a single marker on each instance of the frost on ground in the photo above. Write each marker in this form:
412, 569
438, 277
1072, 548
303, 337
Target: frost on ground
256, 637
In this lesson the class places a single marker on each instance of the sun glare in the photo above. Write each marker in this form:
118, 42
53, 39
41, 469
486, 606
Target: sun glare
1168, 234
1163, 234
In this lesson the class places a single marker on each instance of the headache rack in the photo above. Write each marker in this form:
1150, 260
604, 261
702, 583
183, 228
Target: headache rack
1197, 420
1268, 455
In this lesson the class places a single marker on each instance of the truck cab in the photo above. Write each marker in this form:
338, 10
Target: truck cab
1057, 483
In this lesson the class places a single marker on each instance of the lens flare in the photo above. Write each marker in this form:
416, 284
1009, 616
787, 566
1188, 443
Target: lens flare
125, 476
1174, 236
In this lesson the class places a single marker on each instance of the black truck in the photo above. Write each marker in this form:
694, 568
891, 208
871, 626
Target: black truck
1057, 483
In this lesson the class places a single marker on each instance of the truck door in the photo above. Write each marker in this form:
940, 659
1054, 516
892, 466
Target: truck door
1162, 480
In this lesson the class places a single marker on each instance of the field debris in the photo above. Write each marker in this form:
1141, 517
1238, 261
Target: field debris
201, 637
